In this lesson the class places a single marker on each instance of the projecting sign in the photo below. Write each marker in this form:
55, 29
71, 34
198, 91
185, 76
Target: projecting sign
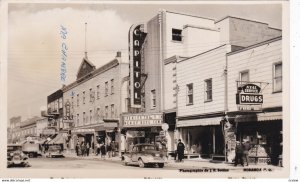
249, 97
136, 39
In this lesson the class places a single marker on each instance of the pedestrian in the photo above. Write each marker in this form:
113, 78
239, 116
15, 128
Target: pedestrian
77, 149
87, 149
180, 150
103, 150
247, 147
98, 148
239, 153
82, 149
109, 150
113, 148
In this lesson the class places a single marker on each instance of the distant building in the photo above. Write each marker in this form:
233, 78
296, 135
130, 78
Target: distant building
93, 103
28, 128
15, 129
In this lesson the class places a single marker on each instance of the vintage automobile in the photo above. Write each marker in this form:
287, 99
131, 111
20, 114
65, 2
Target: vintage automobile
54, 151
145, 154
15, 156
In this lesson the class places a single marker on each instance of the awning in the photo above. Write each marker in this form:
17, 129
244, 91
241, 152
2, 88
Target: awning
269, 116
199, 122
59, 139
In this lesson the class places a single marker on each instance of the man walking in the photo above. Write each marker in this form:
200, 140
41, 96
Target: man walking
180, 150
239, 153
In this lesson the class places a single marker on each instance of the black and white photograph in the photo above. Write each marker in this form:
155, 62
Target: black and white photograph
133, 89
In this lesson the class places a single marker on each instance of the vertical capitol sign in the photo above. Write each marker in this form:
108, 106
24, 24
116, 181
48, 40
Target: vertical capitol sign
136, 39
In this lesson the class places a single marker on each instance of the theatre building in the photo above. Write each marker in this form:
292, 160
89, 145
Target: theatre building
94, 102
255, 99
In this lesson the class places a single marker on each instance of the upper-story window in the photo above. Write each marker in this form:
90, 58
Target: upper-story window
112, 110
98, 114
106, 88
98, 91
112, 86
91, 116
60, 103
72, 102
208, 90
83, 118
244, 76
153, 99
277, 77
189, 90
176, 34
106, 111
77, 119
83, 97
77, 100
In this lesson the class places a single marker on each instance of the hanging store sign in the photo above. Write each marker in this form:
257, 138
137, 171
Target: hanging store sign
136, 39
249, 97
143, 120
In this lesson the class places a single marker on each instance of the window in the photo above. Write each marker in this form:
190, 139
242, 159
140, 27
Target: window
83, 117
153, 99
277, 77
60, 103
98, 91
106, 88
98, 114
208, 89
112, 86
112, 107
77, 119
244, 76
176, 34
77, 100
106, 111
83, 97
72, 100
189, 89
91, 116
91, 94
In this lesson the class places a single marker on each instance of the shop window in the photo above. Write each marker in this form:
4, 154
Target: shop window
244, 76
98, 91
189, 89
208, 90
106, 88
277, 77
153, 99
112, 86
112, 110
176, 34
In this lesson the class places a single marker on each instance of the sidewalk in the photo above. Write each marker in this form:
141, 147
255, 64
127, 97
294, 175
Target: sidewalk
187, 163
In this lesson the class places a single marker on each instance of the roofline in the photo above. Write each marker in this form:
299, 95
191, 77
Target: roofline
255, 45
240, 19
173, 59
200, 27
204, 52
185, 14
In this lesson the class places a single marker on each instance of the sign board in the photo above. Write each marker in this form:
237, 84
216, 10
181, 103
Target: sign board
136, 39
249, 97
143, 120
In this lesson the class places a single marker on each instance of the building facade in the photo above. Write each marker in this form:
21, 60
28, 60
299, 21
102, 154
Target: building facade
94, 102
28, 128
15, 130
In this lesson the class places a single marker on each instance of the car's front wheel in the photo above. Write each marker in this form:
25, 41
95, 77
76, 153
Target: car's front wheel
141, 163
161, 165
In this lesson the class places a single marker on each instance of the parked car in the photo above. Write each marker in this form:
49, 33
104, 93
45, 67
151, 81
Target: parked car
15, 156
145, 154
54, 151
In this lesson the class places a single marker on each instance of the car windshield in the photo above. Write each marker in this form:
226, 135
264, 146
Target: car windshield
14, 148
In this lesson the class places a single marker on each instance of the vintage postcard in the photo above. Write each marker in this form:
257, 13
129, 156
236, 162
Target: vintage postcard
133, 89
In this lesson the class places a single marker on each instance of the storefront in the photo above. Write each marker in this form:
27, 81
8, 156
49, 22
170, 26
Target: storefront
264, 132
142, 128
202, 137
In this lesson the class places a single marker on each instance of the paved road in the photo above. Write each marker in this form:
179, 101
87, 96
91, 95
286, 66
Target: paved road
82, 163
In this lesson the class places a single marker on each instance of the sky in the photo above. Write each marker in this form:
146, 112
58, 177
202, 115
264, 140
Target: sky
35, 42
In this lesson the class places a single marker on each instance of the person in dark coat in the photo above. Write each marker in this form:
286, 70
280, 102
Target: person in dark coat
239, 154
180, 150
77, 148
87, 149
103, 150
247, 147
